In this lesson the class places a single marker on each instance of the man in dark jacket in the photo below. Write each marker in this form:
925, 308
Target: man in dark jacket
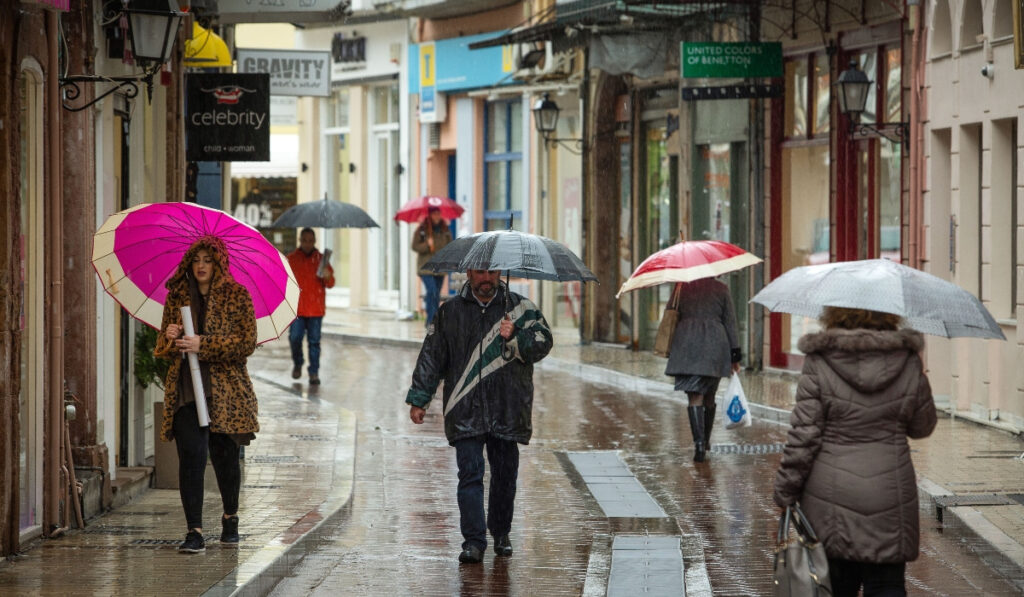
485, 357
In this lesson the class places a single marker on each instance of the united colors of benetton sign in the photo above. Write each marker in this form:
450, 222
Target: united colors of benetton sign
742, 60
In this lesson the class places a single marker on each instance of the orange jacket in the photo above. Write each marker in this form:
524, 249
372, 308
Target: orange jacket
312, 293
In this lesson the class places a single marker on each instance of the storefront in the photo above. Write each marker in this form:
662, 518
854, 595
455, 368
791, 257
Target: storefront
356, 148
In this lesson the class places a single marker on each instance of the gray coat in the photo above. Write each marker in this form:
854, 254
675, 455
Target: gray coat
847, 461
705, 341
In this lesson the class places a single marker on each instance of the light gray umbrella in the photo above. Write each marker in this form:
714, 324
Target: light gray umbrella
515, 253
325, 213
928, 304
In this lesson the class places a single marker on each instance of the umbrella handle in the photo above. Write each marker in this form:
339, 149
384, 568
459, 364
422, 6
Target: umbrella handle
507, 353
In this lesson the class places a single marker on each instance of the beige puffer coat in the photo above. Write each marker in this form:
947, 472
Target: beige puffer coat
847, 459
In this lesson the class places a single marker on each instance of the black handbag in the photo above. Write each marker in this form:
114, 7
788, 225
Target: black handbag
801, 566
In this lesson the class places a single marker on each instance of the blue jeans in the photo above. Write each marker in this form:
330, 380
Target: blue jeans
306, 326
432, 285
503, 455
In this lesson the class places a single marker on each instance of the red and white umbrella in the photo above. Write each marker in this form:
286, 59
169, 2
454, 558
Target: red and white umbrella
688, 261
417, 209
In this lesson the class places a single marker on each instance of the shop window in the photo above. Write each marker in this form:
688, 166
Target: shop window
503, 165
893, 85
337, 113
868, 62
1002, 23
972, 30
1002, 220
822, 95
942, 30
796, 101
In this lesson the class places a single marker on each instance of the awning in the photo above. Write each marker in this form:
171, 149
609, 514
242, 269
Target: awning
284, 160
206, 49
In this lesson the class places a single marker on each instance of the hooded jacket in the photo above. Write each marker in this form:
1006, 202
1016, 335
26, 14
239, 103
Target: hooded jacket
227, 342
862, 393
483, 392
441, 234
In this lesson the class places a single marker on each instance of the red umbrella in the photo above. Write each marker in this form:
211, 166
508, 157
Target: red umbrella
417, 209
688, 261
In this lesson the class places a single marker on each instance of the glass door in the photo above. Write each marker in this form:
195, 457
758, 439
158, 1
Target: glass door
32, 315
659, 221
385, 257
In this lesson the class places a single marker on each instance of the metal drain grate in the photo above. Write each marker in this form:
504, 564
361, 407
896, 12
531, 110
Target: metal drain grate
117, 531
747, 448
271, 459
261, 487
174, 542
141, 513
1017, 497
310, 438
973, 499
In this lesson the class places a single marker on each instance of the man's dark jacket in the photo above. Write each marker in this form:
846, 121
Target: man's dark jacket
483, 392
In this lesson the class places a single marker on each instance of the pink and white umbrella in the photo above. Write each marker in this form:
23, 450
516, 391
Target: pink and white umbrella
688, 261
137, 250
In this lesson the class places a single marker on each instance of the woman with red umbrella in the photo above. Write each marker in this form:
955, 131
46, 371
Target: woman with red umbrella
705, 343
430, 237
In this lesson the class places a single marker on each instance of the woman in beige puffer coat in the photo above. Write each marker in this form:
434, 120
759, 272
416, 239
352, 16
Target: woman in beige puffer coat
861, 394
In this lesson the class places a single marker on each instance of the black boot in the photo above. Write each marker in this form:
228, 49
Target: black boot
697, 428
709, 421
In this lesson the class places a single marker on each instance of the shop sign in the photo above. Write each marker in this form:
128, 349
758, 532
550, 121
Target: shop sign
64, 5
278, 11
292, 72
453, 66
733, 60
227, 117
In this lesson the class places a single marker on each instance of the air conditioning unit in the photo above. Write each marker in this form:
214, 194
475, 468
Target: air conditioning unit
434, 135
533, 59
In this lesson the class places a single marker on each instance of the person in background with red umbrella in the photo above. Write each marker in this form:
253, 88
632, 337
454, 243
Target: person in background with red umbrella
305, 262
705, 348
430, 237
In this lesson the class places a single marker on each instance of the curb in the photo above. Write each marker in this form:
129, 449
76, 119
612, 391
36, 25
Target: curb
261, 572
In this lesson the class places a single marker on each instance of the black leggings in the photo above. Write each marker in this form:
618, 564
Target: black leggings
193, 443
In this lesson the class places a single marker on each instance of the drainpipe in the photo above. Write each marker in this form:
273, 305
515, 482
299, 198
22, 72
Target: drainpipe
53, 412
915, 246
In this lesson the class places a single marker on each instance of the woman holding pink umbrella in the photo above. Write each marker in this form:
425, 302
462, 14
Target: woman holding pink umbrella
225, 335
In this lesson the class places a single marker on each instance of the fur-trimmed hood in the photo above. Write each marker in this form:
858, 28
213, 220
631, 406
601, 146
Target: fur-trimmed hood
178, 283
868, 360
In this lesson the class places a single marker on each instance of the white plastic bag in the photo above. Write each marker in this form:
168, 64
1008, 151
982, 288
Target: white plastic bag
737, 411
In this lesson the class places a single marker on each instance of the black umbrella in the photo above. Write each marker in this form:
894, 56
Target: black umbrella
516, 253
325, 213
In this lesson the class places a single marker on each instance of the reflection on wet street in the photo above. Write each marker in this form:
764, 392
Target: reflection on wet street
401, 535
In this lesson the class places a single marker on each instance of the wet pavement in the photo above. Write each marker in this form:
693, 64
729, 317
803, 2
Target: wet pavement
392, 528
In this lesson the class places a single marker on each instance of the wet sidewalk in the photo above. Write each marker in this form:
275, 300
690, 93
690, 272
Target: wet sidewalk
297, 476
974, 474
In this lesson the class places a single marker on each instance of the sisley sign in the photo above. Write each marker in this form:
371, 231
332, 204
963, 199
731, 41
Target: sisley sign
227, 117
292, 72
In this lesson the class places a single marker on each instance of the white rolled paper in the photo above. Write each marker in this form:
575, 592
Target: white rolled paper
197, 376
324, 262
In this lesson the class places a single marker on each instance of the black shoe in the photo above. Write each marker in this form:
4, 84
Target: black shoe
696, 414
471, 555
296, 372
193, 543
229, 529
502, 546
709, 422
314, 380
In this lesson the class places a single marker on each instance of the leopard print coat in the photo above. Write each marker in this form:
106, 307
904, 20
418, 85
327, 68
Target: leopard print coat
229, 338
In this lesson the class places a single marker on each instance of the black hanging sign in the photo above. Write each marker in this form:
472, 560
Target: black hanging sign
227, 117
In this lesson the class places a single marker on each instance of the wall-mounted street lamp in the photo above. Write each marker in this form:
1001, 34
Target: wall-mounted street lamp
152, 29
545, 118
854, 86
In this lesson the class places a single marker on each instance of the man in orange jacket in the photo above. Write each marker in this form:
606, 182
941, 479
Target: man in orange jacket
305, 262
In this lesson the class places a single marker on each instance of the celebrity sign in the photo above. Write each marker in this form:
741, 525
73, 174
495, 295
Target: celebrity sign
227, 117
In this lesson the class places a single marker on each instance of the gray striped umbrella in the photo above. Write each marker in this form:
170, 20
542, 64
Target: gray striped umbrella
514, 253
